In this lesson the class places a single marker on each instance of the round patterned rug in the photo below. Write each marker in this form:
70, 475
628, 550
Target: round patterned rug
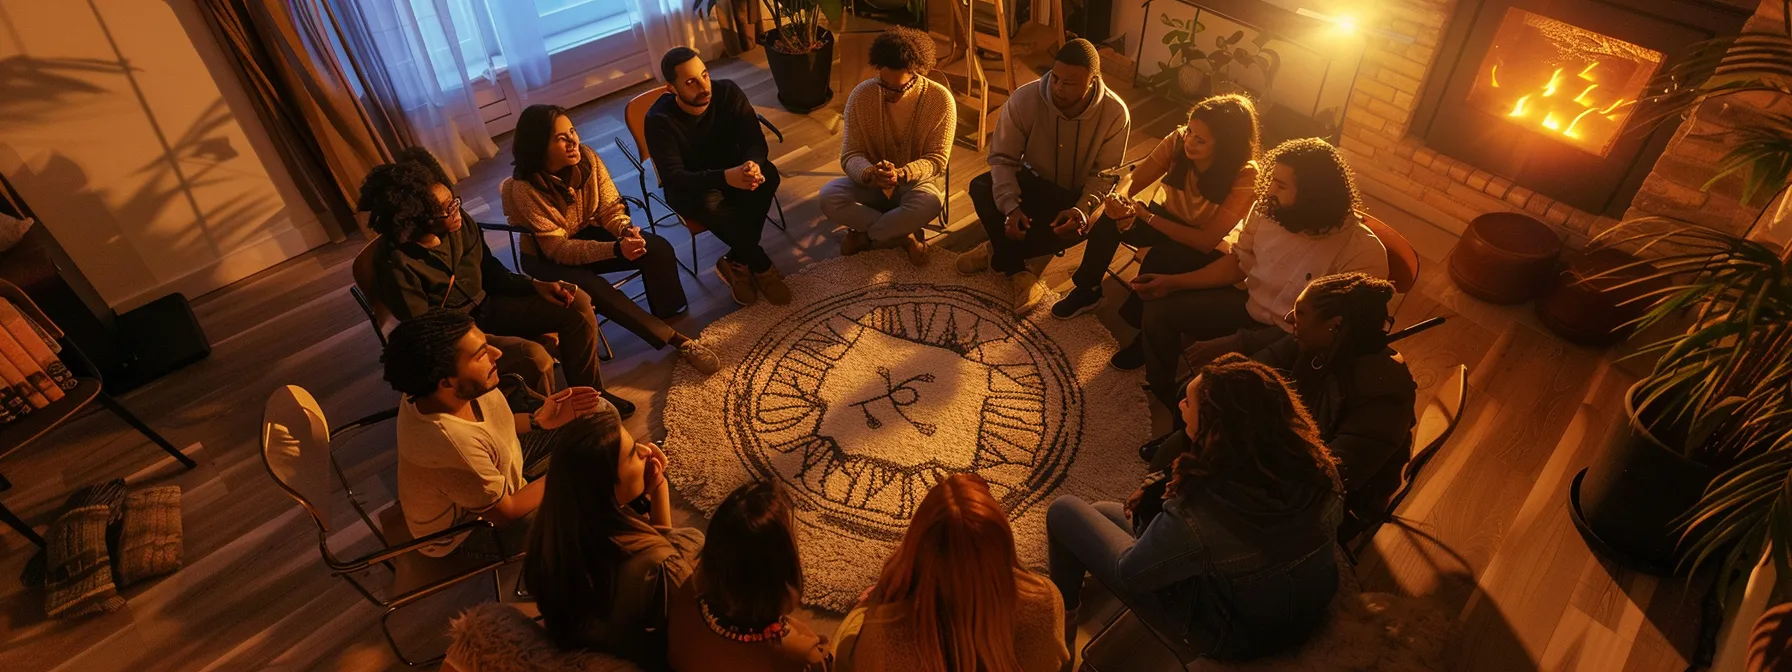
878, 380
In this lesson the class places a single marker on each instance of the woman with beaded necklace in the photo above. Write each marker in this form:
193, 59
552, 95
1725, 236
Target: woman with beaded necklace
735, 613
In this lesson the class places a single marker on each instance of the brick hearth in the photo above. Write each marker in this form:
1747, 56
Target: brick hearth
1398, 168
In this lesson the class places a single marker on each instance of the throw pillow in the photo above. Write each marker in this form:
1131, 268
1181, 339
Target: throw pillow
80, 574
150, 543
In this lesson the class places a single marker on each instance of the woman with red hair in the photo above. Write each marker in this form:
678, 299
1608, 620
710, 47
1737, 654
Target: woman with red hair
954, 596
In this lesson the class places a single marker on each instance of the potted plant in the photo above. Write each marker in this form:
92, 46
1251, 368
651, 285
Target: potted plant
1703, 472
798, 49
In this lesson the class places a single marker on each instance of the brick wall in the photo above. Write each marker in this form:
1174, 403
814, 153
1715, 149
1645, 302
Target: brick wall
1398, 168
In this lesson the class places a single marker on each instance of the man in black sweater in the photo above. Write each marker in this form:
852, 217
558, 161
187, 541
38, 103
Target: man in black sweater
715, 169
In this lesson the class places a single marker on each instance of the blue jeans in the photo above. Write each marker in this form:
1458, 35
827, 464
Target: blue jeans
1088, 539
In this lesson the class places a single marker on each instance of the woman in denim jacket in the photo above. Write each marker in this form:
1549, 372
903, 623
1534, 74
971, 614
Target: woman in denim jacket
1239, 565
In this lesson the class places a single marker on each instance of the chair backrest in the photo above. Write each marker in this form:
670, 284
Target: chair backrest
362, 269
635, 115
1403, 260
1438, 420
295, 448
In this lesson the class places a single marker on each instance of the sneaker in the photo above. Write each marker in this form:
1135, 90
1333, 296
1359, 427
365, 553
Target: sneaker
771, 284
1149, 450
974, 261
1028, 291
624, 407
854, 242
1129, 358
738, 280
916, 249
699, 356
1081, 300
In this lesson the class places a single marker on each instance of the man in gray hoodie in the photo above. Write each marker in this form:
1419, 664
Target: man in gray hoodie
1058, 145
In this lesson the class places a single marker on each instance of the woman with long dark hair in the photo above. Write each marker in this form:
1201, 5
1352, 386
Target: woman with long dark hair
560, 190
1238, 564
735, 612
954, 596
598, 569
1208, 169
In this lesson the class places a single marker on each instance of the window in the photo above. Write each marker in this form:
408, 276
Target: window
565, 26
570, 23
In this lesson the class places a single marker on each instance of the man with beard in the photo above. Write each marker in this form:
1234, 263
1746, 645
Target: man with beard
715, 168
431, 254
1303, 226
458, 453
1057, 144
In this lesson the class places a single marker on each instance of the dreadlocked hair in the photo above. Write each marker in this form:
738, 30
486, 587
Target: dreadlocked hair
1325, 191
396, 195
1362, 300
422, 351
1256, 436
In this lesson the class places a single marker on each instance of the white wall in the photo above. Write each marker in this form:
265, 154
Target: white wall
156, 178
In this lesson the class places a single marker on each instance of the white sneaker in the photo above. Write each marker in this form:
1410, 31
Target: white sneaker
699, 356
1028, 291
976, 260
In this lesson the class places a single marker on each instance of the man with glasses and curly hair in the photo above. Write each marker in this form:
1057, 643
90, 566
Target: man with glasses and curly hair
431, 255
898, 138
1304, 225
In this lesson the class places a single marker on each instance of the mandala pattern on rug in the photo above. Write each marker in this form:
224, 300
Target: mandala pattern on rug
878, 381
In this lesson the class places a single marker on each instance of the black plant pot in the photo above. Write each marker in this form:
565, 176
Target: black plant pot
804, 84
1626, 502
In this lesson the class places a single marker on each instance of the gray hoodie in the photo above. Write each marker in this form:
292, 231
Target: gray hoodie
1069, 152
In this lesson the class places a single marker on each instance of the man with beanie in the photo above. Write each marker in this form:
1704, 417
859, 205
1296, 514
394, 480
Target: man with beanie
1058, 144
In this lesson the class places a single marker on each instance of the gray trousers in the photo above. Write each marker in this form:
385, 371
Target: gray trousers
867, 210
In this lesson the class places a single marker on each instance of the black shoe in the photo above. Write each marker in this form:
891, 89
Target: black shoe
1080, 300
1129, 358
624, 407
1149, 450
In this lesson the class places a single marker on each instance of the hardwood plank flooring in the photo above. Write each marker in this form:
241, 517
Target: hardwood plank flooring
1485, 533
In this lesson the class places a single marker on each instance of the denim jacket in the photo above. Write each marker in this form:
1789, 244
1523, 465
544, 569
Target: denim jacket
1227, 599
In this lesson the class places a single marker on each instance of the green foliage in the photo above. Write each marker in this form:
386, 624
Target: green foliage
799, 22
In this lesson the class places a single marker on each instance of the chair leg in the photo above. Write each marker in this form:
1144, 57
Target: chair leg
13, 520
779, 222
692, 269
386, 627
604, 352
144, 429
1099, 634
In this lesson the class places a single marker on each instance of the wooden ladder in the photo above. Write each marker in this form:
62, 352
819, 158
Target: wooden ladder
982, 26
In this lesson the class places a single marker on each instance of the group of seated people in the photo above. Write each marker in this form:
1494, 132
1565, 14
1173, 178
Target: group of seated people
1290, 429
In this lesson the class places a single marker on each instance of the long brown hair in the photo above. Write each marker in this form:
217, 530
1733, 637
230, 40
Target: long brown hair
573, 550
748, 569
953, 580
1259, 447
529, 156
1232, 120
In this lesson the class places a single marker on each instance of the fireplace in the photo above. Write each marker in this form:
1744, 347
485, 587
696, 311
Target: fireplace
1544, 92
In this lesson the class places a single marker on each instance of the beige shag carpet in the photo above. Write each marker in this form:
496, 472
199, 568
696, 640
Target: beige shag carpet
879, 379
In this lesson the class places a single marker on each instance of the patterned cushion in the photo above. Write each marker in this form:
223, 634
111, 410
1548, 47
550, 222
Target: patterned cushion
150, 543
80, 576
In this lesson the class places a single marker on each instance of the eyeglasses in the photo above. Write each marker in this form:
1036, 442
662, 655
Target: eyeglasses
452, 210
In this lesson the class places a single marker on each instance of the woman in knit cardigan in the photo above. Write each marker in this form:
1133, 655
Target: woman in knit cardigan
562, 192
898, 138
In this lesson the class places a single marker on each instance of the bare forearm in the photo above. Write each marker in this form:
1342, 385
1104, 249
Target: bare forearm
1223, 272
516, 505
660, 512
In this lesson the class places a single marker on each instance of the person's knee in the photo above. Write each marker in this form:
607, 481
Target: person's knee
922, 202
983, 188
712, 203
836, 195
1061, 513
528, 355
657, 245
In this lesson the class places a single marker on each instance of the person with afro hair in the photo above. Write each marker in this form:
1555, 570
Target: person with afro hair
898, 139
430, 254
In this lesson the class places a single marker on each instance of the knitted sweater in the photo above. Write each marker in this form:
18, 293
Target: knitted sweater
594, 203
922, 146
871, 639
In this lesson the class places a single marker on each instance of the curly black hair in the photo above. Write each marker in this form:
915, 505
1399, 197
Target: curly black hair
396, 195
903, 49
422, 351
1325, 193
1362, 300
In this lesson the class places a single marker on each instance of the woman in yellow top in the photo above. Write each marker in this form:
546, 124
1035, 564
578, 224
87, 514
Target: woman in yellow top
1209, 172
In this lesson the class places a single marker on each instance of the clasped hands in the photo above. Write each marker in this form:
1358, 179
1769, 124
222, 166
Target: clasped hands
1070, 223
886, 176
1121, 208
746, 176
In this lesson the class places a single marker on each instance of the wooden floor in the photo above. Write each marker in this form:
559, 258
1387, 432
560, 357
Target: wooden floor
1489, 539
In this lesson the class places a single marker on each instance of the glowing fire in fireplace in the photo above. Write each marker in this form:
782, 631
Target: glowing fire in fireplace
1562, 81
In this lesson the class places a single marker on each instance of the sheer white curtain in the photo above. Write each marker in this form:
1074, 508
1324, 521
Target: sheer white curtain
517, 25
671, 23
420, 51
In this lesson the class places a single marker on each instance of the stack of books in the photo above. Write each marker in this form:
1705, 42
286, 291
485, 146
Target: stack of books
31, 375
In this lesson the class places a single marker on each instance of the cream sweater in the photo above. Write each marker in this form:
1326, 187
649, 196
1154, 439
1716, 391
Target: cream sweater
923, 145
594, 203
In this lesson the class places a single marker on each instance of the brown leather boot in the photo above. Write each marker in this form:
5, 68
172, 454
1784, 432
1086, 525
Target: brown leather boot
771, 285
739, 281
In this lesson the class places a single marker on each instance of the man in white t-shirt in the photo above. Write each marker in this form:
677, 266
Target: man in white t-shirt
1303, 226
458, 453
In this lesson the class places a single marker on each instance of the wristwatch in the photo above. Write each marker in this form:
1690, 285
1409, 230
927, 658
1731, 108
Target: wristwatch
534, 424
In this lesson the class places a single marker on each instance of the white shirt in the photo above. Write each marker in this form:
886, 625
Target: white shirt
1279, 263
450, 469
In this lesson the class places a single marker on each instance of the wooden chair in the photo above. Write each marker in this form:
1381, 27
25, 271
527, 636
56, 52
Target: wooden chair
296, 450
516, 257
89, 386
635, 115
1436, 423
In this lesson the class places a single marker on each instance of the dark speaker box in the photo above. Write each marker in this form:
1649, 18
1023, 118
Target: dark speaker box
162, 336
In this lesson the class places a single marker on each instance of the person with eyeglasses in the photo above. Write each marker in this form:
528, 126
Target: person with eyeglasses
898, 138
431, 255
1056, 155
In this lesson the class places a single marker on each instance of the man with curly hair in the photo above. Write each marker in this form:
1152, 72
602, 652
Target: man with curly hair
1304, 225
898, 138
430, 254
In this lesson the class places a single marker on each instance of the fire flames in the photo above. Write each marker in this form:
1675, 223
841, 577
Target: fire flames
1547, 106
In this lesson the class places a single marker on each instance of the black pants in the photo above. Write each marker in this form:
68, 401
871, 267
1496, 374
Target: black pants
659, 274
736, 216
528, 315
1041, 201
1167, 256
